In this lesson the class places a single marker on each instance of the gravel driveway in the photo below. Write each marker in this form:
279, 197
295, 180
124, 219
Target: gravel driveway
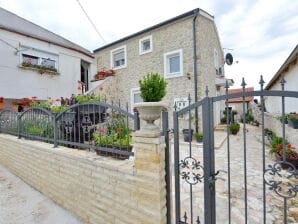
21, 204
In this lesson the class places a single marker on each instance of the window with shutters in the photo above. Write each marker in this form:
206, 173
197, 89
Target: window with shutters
118, 58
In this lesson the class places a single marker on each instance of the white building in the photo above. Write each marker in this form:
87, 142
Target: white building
37, 62
289, 70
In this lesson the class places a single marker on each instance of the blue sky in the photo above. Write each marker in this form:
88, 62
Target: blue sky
261, 33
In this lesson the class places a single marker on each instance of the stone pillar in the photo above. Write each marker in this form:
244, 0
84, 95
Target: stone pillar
150, 166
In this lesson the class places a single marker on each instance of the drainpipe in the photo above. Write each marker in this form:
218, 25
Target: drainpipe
195, 69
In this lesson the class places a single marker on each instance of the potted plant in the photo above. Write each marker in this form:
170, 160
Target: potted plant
199, 136
223, 120
280, 118
293, 120
291, 155
153, 89
234, 128
116, 135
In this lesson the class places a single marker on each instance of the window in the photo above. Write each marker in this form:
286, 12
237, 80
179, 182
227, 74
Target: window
118, 58
30, 59
181, 103
173, 64
145, 45
135, 97
35, 58
48, 63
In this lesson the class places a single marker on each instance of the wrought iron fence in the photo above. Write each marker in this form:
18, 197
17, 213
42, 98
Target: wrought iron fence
99, 126
270, 182
8, 122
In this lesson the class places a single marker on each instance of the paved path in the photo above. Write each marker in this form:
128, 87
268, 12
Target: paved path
21, 204
254, 183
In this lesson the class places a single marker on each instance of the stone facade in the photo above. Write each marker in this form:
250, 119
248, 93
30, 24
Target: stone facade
97, 189
170, 37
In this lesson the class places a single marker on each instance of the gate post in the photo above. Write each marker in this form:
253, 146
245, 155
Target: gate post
165, 128
209, 168
149, 164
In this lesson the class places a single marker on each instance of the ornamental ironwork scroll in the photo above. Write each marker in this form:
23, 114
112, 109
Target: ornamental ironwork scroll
191, 170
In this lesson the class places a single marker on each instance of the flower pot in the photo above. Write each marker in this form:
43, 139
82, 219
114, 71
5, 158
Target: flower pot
199, 139
187, 134
294, 162
293, 124
114, 155
150, 112
286, 120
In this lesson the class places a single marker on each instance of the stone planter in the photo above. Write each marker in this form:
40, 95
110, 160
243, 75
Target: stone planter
150, 112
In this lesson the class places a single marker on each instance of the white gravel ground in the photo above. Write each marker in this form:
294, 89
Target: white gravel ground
21, 204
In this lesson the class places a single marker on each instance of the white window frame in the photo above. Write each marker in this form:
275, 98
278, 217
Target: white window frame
166, 64
141, 52
39, 54
125, 57
133, 91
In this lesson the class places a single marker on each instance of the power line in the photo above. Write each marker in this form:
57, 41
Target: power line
101, 37
8, 44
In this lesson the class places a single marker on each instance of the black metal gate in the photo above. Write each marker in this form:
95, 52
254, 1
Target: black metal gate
195, 174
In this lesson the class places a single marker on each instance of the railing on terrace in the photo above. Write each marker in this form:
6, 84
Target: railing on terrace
99, 126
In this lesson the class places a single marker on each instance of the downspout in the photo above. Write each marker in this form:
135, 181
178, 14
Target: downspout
195, 68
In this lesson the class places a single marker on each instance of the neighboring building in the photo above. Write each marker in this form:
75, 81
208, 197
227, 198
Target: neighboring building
37, 62
168, 49
289, 71
237, 103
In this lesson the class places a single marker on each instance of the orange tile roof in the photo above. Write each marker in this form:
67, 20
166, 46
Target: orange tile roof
239, 99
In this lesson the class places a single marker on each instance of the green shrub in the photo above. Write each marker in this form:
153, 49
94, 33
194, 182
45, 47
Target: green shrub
223, 120
153, 87
234, 128
87, 98
58, 109
293, 118
199, 136
234, 112
276, 140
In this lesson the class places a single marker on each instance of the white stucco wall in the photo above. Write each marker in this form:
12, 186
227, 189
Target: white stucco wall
273, 104
17, 83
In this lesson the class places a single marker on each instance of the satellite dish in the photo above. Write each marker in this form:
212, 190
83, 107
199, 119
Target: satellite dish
229, 59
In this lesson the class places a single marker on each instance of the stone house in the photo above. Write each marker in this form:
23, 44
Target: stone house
186, 50
37, 62
289, 71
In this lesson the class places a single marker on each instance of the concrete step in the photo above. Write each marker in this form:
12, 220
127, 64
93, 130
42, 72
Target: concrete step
221, 127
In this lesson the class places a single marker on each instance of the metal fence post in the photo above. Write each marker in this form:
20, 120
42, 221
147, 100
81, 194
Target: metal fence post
19, 125
176, 164
165, 128
209, 168
55, 130
136, 121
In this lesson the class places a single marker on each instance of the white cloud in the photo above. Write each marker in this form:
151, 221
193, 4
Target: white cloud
262, 33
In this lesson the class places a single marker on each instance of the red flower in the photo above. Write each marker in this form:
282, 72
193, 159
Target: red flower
101, 130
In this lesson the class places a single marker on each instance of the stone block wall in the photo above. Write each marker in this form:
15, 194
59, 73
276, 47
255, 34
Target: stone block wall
97, 189
272, 123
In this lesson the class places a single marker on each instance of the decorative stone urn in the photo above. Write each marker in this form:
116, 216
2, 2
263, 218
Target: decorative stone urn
150, 112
